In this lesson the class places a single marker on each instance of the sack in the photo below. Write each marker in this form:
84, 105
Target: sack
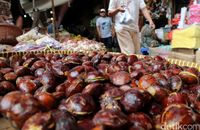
186, 38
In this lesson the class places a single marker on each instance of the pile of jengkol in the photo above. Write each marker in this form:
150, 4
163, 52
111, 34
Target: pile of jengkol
97, 92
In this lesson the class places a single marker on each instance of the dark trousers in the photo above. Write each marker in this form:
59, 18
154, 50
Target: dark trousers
107, 42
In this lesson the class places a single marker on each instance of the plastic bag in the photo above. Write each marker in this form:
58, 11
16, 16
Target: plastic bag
194, 14
126, 17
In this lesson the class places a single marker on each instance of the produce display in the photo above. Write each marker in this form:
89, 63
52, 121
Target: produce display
98, 91
81, 44
34, 41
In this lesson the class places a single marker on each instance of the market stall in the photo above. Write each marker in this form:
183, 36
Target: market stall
181, 33
71, 82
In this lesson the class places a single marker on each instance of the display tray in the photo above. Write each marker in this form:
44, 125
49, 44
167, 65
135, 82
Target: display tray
171, 60
5, 124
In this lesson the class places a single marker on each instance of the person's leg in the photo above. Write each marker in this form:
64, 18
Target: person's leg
125, 42
107, 42
136, 42
110, 45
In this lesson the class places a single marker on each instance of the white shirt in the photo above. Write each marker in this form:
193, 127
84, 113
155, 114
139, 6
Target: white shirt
133, 7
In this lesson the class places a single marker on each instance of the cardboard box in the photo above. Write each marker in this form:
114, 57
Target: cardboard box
185, 51
182, 56
198, 56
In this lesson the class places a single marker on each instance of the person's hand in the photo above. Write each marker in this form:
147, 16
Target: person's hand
121, 9
113, 34
152, 25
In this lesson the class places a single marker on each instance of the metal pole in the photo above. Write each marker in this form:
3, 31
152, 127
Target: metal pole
33, 4
54, 19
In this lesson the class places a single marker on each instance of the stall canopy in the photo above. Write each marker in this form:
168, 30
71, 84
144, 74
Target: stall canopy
41, 4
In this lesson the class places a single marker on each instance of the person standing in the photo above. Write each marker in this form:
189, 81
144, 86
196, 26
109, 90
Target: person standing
126, 17
105, 29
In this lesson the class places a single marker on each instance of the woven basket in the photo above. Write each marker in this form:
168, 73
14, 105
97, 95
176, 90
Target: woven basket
8, 34
172, 61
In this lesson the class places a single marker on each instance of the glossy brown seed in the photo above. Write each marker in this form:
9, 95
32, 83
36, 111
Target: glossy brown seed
3, 62
76, 86
59, 69
189, 78
123, 66
93, 89
96, 59
87, 63
39, 72
138, 65
132, 101
167, 73
29, 62
79, 104
6, 70
147, 81
107, 57
177, 114
75, 73
110, 103
176, 98
175, 83
18, 107
132, 59
125, 88
157, 66
110, 118
102, 68
11, 76
158, 58
21, 70
155, 109
85, 124
120, 78
113, 68
158, 93
27, 86
121, 57
115, 93
40, 121
94, 76
136, 74
62, 87
47, 78
85, 58
141, 120
15, 61
64, 120
46, 99
72, 60
6, 87
38, 64
161, 80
